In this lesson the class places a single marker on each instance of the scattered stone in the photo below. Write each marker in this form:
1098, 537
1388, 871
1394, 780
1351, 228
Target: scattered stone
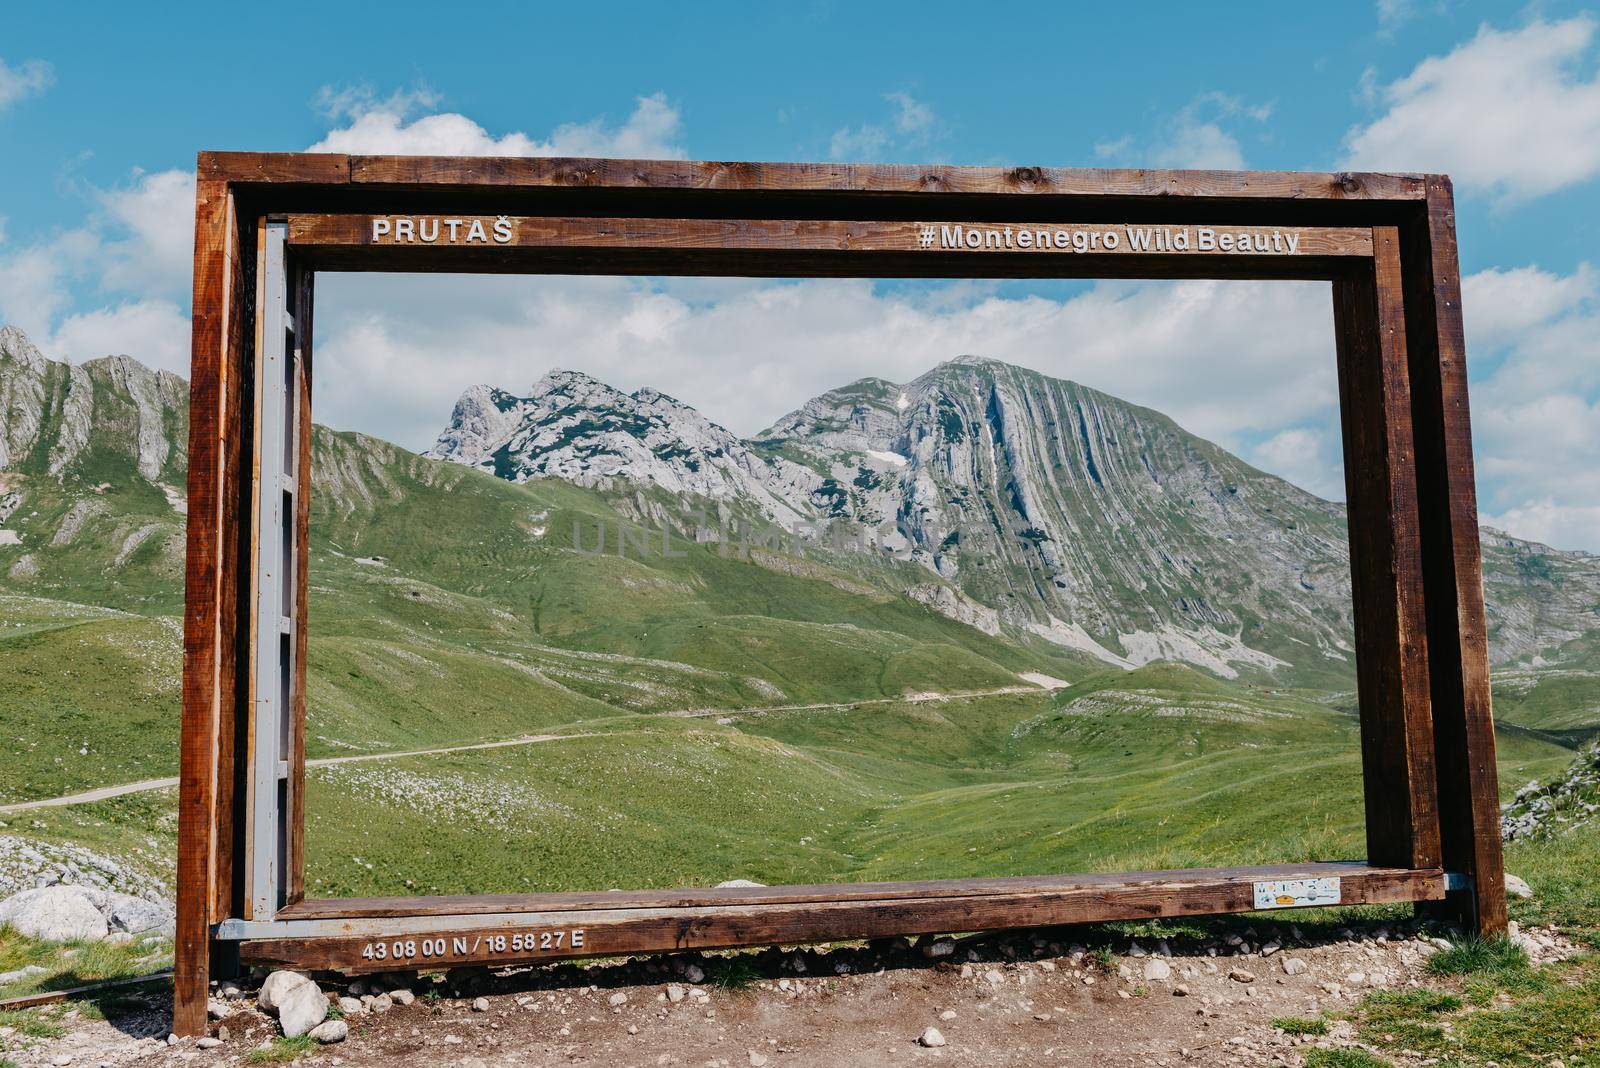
932, 1038
1517, 887
301, 1008
1270, 948
208, 1042
1239, 975
1293, 966
330, 1031
351, 1006
619, 998
1181, 990
402, 996
61, 1060
480, 1005
757, 1060
382, 1003
947, 1015
21, 973
1156, 970
993, 977
675, 992
1356, 978
694, 973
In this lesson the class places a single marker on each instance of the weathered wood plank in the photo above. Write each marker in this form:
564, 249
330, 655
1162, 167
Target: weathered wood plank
199, 819
1385, 558
424, 233
414, 171
689, 898
822, 247
244, 168
1464, 742
616, 931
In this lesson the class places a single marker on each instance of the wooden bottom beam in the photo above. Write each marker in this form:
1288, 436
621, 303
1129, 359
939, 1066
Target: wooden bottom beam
399, 933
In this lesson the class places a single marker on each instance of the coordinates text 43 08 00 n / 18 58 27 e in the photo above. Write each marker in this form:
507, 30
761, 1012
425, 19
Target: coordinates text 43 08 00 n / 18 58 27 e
470, 947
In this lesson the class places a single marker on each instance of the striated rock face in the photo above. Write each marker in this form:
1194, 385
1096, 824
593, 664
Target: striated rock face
1085, 519
93, 460
56, 414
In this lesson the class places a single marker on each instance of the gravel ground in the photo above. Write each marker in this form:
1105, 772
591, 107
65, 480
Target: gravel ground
1022, 999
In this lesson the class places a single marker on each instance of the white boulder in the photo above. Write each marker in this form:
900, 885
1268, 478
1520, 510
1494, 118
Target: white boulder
276, 988
303, 1007
55, 913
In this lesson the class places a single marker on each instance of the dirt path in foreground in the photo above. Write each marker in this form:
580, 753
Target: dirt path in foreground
1027, 999
105, 793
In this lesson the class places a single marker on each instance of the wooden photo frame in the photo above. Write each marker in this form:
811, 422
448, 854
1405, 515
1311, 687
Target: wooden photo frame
265, 223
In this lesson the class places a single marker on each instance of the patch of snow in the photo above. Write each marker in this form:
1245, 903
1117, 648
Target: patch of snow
371, 561
893, 458
1073, 636
1207, 647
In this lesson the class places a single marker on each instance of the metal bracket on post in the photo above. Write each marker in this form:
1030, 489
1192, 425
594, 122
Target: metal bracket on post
273, 611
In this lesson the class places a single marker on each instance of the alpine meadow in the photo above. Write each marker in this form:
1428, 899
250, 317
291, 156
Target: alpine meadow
984, 622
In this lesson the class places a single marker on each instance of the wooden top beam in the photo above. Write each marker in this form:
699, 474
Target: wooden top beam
450, 172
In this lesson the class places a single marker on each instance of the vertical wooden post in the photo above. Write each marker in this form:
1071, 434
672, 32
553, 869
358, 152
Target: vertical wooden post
1386, 569
205, 795
1463, 720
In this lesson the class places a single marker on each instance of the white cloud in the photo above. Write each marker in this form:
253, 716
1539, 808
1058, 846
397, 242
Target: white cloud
910, 125
1512, 113
1558, 525
34, 280
155, 251
1533, 339
1308, 458
29, 78
1502, 305
155, 332
1392, 14
651, 131
1200, 135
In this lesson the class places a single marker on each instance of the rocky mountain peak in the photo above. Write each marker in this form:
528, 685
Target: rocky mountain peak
15, 345
574, 427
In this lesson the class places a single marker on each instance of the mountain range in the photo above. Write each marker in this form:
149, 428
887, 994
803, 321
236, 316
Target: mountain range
1048, 506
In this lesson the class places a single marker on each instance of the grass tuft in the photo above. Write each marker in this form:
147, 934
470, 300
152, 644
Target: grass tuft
734, 973
1344, 1058
1477, 955
1300, 1025
282, 1050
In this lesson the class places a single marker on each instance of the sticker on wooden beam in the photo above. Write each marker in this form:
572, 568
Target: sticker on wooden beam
1297, 893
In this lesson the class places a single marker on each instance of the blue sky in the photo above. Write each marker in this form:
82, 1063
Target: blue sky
101, 113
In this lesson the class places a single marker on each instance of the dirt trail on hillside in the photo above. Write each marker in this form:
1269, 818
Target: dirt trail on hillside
1030, 998
105, 793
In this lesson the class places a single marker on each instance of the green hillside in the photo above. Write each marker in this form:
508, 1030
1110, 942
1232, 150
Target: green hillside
789, 713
